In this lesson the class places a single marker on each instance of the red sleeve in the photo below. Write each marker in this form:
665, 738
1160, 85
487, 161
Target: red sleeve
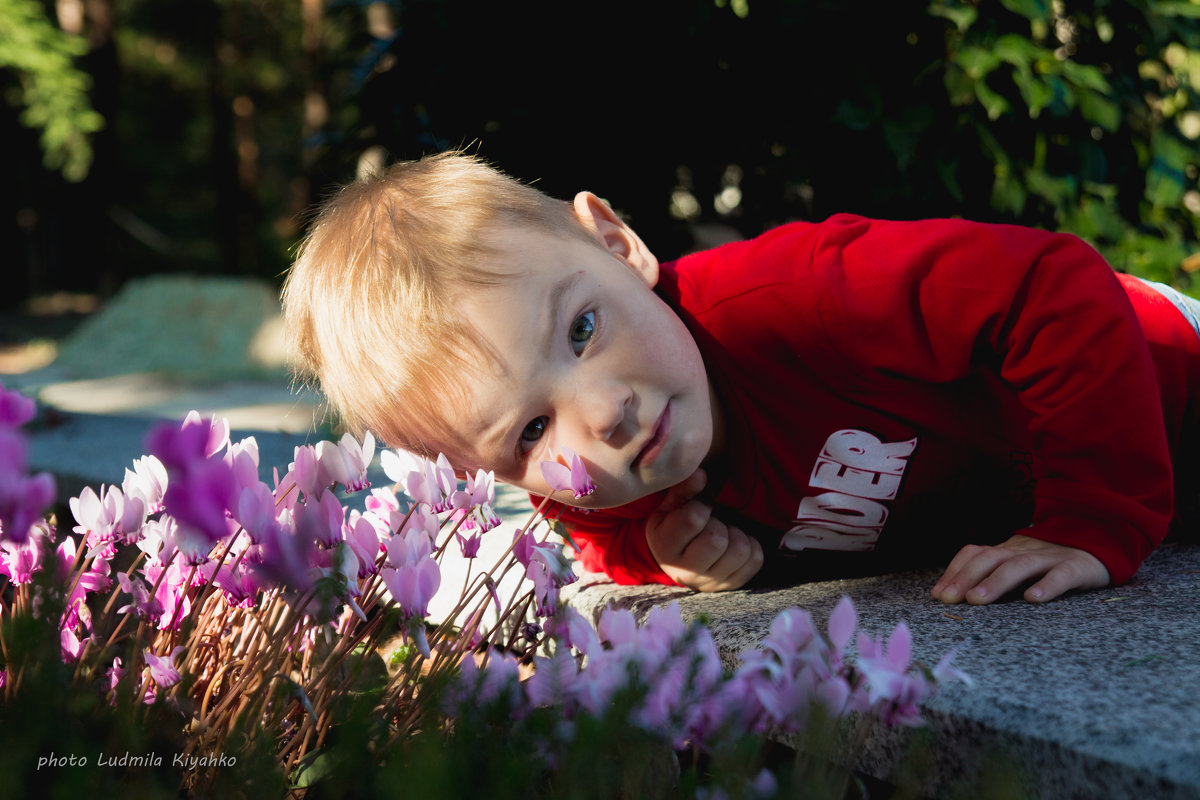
937, 299
612, 541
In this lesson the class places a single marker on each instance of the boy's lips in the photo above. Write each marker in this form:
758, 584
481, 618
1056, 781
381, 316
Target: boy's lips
658, 439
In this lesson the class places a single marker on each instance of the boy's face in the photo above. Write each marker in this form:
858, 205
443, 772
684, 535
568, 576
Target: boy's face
590, 358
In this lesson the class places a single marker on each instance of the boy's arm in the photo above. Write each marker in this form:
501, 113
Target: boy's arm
671, 538
938, 301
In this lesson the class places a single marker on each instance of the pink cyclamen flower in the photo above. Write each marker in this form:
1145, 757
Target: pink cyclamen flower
413, 586
569, 476
428, 482
284, 557
363, 539
146, 481
15, 408
142, 604
199, 488
20, 560
480, 491
217, 428
70, 645
573, 629
172, 593
22, 498
320, 519
345, 462
242, 458
162, 668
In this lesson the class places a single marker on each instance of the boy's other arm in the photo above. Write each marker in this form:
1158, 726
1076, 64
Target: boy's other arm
695, 548
981, 574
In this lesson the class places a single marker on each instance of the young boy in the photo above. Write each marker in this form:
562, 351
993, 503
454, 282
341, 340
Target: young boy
827, 398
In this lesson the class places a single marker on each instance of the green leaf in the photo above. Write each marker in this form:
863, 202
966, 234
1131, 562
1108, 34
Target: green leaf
1085, 75
993, 103
1036, 93
1018, 51
963, 16
1029, 9
1057, 190
53, 91
1100, 110
1176, 8
977, 62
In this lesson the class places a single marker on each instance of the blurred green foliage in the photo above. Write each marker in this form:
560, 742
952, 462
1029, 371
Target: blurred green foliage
233, 117
1092, 119
51, 90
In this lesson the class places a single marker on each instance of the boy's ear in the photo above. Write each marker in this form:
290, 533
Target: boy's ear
617, 237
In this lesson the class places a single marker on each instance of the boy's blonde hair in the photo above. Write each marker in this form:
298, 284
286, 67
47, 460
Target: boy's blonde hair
369, 305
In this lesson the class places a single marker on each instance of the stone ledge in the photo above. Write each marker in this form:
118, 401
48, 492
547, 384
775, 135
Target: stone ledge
1090, 696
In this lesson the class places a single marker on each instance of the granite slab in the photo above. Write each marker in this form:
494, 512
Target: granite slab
1091, 696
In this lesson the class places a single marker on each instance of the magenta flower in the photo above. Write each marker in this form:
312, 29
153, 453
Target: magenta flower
256, 510
162, 668
147, 481
142, 604
242, 459
108, 517
570, 475
217, 430
20, 560
172, 593
413, 586
412, 574
363, 539
345, 462
320, 520
239, 586
573, 630
428, 482
21, 504
15, 408
546, 567
70, 645
199, 488
480, 490
95, 579
469, 544
285, 558
22, 498
114, 674
303, 470
944, 671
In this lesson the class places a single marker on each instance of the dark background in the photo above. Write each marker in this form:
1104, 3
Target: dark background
224, 121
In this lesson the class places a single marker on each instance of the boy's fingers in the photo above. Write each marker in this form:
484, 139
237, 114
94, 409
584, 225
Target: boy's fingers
1084, 571
670, 534
707, 548
747, 561
1007, 576
682, 492
741, 561
966, 570
981, 575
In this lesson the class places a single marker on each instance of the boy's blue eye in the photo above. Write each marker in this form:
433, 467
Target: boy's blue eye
581, 331
533, 430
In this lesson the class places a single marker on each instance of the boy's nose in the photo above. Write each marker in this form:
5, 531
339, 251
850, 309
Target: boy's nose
604, 409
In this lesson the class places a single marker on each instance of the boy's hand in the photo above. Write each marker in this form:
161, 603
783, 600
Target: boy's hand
983, 574
695, 548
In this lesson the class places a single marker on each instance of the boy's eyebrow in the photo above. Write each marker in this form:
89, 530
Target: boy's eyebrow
558, 290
